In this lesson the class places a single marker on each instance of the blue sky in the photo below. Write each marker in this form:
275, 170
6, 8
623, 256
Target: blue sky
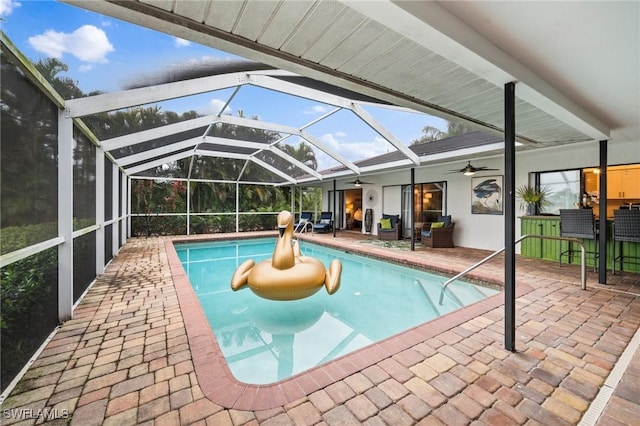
105, 54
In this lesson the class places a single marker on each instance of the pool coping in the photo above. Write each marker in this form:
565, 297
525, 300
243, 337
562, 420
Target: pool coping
220, 386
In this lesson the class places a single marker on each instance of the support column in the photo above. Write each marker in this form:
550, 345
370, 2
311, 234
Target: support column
237, 207
602, 242
123, 200
100, 211
188, 203
413, 209
333, 214
65, 217
115, 199
293, 198
509, 218
129, 188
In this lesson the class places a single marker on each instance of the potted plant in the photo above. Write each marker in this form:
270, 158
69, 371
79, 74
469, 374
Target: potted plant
532, 197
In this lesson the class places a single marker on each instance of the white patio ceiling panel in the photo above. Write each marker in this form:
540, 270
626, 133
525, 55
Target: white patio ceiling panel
329, 38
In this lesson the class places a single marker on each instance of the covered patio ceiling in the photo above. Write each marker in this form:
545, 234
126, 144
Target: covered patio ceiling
576, 64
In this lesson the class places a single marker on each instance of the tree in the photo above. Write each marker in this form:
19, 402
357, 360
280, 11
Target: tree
66, 87
431, 133
303, 153
457, 128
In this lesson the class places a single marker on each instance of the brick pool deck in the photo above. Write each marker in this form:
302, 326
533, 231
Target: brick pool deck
136, 353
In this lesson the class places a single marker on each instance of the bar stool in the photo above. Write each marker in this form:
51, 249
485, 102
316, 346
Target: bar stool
578, 223
626, 227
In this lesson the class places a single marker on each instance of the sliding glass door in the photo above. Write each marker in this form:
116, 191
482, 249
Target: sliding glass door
429, 200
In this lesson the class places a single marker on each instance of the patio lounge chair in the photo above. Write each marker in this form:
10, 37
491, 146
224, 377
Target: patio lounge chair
325, 224
389, 227
305, 221
438, 234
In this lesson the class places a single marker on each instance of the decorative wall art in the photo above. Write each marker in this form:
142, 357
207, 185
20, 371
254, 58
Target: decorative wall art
486, 195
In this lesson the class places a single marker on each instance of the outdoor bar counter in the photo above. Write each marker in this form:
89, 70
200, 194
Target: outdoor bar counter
551, 249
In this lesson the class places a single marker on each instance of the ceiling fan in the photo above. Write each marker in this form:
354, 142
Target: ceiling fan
470, 170
358, 183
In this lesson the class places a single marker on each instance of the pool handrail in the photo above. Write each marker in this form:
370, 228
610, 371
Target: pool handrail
583, 257
302, 226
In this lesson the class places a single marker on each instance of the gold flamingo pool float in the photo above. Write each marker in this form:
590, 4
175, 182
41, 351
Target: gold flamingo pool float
287, 275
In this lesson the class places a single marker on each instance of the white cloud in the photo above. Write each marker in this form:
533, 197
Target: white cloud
85, 68
355, 150
215, 105
316, 109
88, 43
180, 42
7, 6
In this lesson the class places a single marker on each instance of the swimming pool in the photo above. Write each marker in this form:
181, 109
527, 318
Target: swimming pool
267, 341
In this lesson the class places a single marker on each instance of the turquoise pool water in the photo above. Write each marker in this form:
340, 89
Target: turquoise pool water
266, 341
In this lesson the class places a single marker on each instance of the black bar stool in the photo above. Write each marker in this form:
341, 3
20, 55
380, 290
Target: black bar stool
578, 223
626, 227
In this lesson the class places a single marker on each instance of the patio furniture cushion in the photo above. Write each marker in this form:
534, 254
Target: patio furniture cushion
385, 224
394, 218
446, 219
437, 225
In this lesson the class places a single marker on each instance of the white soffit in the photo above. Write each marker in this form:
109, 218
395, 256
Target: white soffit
450, 37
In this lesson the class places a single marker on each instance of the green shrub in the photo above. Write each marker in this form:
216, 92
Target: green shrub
28, 298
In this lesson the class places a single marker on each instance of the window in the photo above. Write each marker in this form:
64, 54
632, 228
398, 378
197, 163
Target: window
564, 189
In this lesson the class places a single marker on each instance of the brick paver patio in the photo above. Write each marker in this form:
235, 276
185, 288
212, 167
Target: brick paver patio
127, 357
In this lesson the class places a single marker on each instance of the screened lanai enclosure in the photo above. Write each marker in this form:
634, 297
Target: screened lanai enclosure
81, 172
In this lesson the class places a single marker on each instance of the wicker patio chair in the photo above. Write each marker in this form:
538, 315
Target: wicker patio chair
394, 232
438, 234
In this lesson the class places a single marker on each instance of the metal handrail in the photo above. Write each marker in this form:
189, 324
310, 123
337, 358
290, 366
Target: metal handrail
583, 261
303, 223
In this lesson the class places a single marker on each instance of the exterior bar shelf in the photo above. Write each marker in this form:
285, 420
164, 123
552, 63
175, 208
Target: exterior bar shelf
551, 249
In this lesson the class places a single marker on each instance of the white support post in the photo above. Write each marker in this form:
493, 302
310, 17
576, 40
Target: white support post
115, 190
188, 207
301, 194
237, 207
65, 217
100, 211
123, 198
129, 194
129, 188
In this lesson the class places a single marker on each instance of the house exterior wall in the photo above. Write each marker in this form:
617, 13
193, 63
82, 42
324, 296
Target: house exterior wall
391, 200
486, 231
